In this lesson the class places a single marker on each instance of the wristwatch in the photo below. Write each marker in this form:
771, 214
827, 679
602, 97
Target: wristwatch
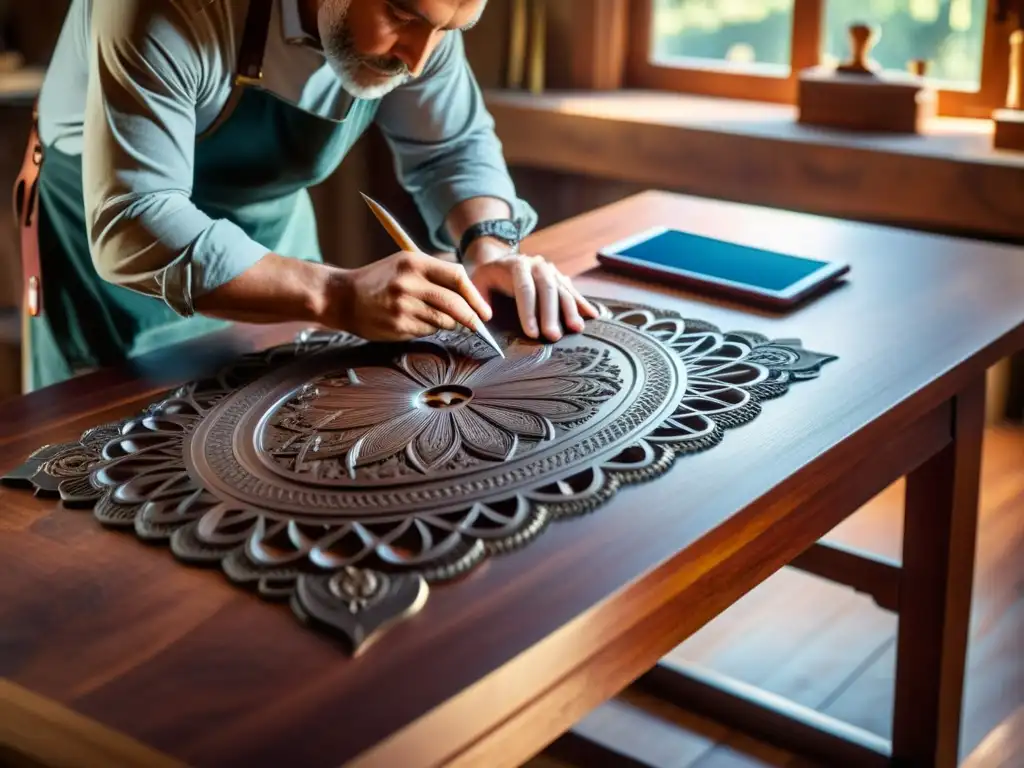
505, 230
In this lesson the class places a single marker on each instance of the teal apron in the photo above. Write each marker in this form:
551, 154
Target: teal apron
253, 168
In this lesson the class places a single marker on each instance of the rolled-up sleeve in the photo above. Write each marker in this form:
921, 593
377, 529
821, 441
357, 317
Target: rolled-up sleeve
444, 144
147, 69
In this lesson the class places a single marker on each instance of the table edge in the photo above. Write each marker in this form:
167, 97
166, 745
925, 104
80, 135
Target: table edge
50, 733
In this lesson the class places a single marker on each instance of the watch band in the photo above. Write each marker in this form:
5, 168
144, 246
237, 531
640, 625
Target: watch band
505, 230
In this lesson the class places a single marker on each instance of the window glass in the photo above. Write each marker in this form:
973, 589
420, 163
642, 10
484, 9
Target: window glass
738, 32
947, 34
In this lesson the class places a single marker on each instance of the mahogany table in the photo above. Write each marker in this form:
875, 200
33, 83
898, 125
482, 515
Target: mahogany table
119, 652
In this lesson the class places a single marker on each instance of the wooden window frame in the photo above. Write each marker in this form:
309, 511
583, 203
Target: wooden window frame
721, 79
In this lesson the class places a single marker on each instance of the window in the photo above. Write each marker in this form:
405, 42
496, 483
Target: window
947, 34
753, 49
750, 34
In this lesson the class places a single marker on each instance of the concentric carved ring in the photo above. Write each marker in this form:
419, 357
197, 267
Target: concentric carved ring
438, 426
344, 477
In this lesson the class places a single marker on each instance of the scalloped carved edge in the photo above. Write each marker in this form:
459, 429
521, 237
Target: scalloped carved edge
360, 604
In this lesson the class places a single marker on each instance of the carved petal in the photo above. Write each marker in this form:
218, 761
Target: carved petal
324, 418
732, 371
711, 397
496, 369
125, 468
139, 442
571, 365
530, 388
518, 421
554, 409
319, 446
695, 345
463, 367
726, 354
349, 406
170, 513
416, 543
272, 583
75, 491
482, 437
163, 482
383, 379
429, 369
387, 438
224, 525
273, 543
667, 329
187, 545
347, 545
113, 514
436, 443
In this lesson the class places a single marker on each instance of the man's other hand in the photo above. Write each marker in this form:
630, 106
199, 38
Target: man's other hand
546, 299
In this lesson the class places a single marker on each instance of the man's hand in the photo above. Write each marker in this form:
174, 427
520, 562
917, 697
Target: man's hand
405, 296
544, 296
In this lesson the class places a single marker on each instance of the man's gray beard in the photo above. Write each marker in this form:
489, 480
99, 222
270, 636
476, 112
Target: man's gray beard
342, 56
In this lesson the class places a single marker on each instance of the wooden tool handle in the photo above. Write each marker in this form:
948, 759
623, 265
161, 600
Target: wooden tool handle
391, 226
1015, 89
862, 39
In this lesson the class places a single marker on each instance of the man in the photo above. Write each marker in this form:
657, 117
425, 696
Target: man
179, 139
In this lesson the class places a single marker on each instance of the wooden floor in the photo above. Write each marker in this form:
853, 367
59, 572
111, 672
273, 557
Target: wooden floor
827, 647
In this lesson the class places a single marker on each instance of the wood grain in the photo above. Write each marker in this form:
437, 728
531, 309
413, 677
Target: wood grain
936, 582
863, 571
35, 729
590, 39
864, 103
542, 633
816, 643
786, 724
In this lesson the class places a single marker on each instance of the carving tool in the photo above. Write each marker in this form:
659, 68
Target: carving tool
403, 241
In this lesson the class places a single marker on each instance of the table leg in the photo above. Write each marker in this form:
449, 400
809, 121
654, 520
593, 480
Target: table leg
935, 594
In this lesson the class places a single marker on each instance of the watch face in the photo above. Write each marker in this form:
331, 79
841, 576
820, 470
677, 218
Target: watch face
506, 230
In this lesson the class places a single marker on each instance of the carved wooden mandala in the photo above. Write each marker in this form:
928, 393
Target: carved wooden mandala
345, 477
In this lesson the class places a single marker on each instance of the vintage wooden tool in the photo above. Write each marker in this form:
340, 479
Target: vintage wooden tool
857, 95
1009, 121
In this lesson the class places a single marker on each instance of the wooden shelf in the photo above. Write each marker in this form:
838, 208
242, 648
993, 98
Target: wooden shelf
949, 179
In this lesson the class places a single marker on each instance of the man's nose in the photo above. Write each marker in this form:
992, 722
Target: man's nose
414, 51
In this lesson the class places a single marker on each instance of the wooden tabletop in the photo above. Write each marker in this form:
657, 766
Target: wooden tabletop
182, 661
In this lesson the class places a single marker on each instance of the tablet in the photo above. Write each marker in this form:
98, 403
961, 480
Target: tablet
710, 265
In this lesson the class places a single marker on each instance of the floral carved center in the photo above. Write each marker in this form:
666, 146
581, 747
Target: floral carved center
436, 409
446, 396
344, 477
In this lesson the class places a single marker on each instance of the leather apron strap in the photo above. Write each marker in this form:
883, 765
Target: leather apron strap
26, 186
249, 67
26, 213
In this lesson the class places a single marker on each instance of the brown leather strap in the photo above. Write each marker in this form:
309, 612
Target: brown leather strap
26, 187
254, 42
26, 213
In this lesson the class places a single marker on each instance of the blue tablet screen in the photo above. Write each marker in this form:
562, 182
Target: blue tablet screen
722, 260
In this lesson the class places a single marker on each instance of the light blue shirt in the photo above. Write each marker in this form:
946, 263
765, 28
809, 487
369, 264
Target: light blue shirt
133, 83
